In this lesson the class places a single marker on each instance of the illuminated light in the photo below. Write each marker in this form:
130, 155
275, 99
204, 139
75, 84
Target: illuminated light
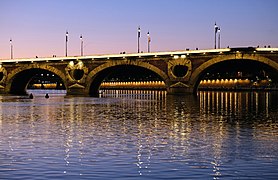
32, 61
108, 57
62, 60
187, 54
254, 51
176, 57
267, 49
171, 55
204, 52
71, 63
183, 56
155, 55
93, 59
16, 62
237, 51
80, 64
221, 52
46, 60
0, 65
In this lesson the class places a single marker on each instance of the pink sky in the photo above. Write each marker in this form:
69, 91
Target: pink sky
38, 27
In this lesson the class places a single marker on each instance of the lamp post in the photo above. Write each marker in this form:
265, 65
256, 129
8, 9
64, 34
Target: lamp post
11, 45
215, 32
67, 34
218, 37
81, 48
149, 41
138, 40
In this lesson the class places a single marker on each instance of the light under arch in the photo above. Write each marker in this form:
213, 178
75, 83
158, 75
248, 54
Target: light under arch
11, 76
94, 73
240, 57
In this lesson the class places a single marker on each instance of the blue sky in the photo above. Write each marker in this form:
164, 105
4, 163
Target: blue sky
37, 27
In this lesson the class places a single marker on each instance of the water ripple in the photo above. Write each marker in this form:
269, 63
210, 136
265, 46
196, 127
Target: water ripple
218, 135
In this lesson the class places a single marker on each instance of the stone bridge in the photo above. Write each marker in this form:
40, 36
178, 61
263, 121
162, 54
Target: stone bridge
181, 71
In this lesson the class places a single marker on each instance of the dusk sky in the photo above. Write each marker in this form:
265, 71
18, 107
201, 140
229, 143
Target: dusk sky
38, 27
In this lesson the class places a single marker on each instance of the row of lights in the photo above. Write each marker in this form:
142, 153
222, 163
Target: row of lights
182, 56
217, 29
67, 34
124, 57
81, 44
155, 55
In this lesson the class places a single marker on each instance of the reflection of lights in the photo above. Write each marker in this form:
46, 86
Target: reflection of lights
216, 169
267, 103
257, 102
1, 112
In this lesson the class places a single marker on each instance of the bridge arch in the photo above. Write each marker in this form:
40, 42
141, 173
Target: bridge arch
18, 79
96, 76
198, 72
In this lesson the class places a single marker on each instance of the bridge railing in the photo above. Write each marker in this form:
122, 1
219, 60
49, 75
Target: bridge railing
140, 55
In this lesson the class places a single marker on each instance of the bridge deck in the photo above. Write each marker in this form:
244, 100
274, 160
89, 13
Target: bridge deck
152, 54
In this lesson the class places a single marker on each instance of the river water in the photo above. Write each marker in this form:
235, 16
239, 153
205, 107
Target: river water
140, 135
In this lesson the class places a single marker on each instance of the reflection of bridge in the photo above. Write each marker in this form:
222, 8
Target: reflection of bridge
180, 70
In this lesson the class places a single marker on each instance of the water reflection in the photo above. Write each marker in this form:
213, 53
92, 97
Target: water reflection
237, 104
130, 134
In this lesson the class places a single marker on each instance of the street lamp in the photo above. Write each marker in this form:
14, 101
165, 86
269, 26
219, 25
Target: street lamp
139, 30
218, 37
81, 41
215, 32
11, 44
67, 34
149, 41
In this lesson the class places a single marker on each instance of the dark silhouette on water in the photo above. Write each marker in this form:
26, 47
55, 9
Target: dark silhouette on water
46, 96
31, 96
